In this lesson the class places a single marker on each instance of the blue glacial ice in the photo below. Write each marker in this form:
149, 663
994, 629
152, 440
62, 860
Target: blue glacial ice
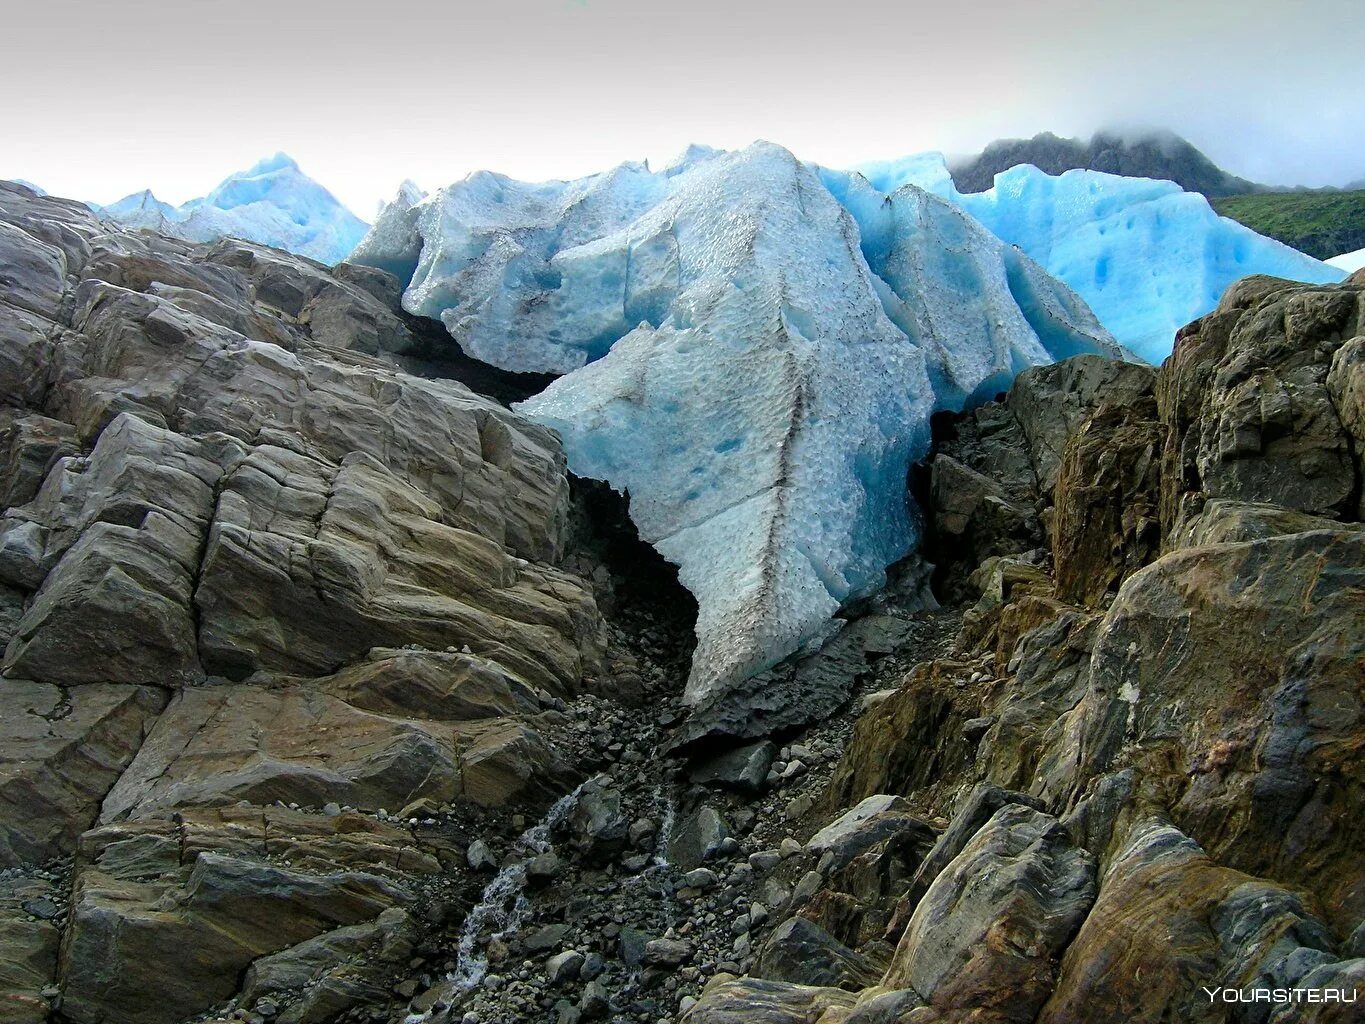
1145, 255
273, 203
752, 363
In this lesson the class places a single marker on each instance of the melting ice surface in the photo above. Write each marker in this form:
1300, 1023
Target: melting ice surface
752, 362
273, 203
1147, 256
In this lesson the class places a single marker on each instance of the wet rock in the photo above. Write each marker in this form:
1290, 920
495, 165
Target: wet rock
598, 825
480, 857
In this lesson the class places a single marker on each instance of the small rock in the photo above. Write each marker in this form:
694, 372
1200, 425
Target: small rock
480, 857
789, 847
799, 806
766, 860
701, 878
593, 965
544, 867
563, 967
595, 1001
811, 883
667, 952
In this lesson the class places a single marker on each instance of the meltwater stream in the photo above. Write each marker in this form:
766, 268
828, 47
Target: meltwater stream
503, 907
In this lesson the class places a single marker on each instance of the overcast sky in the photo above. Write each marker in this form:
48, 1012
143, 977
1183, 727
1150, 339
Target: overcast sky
104, 98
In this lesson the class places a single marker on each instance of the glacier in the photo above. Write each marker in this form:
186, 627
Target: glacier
1145, 255
273, 203
753, 363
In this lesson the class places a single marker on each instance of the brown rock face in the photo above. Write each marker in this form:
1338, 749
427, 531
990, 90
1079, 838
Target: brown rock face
1247, 408
199, 894
1106, 525
247, 563
988, 932
59, 754
1233, 676
1170, 923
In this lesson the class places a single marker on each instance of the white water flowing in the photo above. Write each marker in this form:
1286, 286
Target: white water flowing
503, 907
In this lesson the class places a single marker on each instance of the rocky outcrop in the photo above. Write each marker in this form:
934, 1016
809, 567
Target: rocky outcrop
260, 591
1247, 407
1146, 737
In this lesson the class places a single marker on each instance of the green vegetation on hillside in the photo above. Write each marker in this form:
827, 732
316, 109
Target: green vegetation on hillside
1321, 224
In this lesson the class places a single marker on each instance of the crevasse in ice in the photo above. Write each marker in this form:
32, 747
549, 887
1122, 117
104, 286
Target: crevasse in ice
273, 203
1145, 255
751, 362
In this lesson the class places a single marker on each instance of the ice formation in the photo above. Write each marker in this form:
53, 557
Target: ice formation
1147, 256
273, 203
1349, 261
752, 363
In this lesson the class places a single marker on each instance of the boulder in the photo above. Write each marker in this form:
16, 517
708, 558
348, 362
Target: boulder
597, 822
697, 838
745, 768
975, 517
1169, 923
990, 930
801, 952
979, 807
504, 761
352, 960
730, 1000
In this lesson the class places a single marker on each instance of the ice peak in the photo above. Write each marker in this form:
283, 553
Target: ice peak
271, 165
